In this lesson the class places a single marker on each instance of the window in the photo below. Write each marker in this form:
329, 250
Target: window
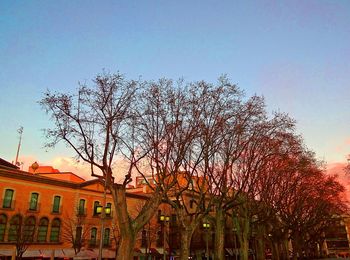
3, 222
55, 230
78, 235
14, 229
106, 237
96, 204
7, 203
42, 230
29, 229
81, 208
33, 204
93, 236
56, 204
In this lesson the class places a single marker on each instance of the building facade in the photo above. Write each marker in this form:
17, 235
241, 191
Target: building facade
57, 214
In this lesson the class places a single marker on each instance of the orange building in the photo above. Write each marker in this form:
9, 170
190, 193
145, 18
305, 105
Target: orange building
58, 209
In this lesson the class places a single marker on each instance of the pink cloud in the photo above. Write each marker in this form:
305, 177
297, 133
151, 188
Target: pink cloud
343, 177
80, 168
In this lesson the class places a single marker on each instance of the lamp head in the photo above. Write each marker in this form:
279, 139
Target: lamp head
99, 209
108, 210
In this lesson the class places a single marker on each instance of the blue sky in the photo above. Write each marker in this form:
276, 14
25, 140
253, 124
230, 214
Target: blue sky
295, 53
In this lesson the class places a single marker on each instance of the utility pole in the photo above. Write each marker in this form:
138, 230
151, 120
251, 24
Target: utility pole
20, 131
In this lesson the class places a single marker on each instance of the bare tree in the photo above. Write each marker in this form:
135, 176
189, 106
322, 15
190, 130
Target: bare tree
302, 198
98, 123
21, 232
170, 129
76, 231
116, 237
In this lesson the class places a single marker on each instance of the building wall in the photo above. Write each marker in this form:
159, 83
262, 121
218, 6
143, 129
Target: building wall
24, 184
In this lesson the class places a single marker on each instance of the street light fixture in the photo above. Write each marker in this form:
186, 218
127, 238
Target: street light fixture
165, 220
99, 209
104, 213
206, 227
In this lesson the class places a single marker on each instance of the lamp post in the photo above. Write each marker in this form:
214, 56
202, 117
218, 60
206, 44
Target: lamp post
165, 220
106, 211
206, 227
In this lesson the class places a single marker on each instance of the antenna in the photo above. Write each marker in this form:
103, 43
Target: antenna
20, 131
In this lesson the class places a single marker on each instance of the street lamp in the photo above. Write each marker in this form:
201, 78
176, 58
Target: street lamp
106, 211
165, 220
206, 227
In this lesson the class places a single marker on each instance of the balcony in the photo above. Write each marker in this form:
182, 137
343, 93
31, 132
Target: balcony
5, 205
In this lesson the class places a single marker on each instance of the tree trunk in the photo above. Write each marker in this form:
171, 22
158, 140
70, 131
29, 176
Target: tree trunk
244, 252
219, 241
284, 248
296, 248
260, 249
275, 251
126, 248
130, 227
186, 236
243, 237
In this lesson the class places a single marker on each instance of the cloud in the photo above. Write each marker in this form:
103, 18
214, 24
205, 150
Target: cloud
343, 147
68, 164
83, 169
343, 177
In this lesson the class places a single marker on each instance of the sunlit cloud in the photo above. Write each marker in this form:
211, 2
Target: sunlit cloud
343, 147
343, 177
120, 166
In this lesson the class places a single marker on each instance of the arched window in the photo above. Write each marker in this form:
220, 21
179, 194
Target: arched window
55, 230
106, 237
93, 236
42, 230
29, 229
14, 230
3, 222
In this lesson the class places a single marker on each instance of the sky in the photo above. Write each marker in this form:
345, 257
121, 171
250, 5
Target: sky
294, 53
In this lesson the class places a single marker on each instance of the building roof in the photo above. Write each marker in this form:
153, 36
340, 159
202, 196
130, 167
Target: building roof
90, 184
7, 164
